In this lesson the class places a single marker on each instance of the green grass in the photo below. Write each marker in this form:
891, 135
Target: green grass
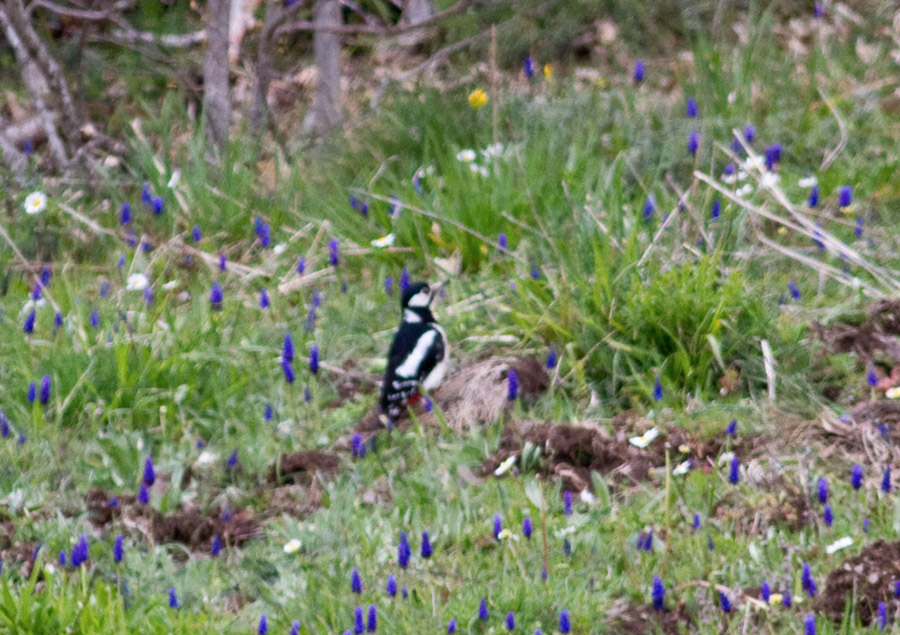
620, 305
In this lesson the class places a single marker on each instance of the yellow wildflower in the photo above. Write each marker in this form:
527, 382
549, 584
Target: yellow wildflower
548, 72
477, 99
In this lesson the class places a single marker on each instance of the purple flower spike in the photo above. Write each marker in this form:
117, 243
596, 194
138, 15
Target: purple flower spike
658, 593
288, 371
567, 503
794, 290
693, 142
28, 327
657, 388
828, 516
483, 610
749, 132
638, 75
426, 545
724, 602
125, 214
355, 581
552, 357
144, 494
216, 296
527, 528
498, 526
158, 205
301, 265
845, 196
731, 429
510, 621
813, 200
649, 207
334, 252
691, 107
809, 624
451, 626
372, 619
734, 473
765, 591
528, 68
403, 550
822, 489
263, 299
502, 242
45, 390
32, 392
512, 385
871, 375
173, 598
263, 627
149, 473
886, 480
716, 209
314, 359
391, 586
564, 625
856, 476
358, 628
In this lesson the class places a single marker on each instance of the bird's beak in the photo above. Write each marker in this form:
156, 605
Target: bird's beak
436, 288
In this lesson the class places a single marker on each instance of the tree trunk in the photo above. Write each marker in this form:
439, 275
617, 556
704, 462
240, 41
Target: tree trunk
216, 88
325, 111
259, 111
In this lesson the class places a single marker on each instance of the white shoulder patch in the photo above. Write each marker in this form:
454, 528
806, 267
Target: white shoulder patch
410, 366
411, 316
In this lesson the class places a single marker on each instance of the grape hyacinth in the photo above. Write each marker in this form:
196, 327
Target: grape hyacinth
510, 621
527, 529
856, 476
358, 627
451, 626
483, 610
512, 386
215, 296
822, 489
528, 67
765, 592
638, 75
813, 200
149, 473
552, 357
45, 390
691, 108
263, 627
263, 299
372, 619
403, 550
314, 359
724, 602
355, 581
731, 429
657, 388
809, 624
794, 290
565, 625
426, 545
734, 472
28, 326
649, 208
144, 494
567, 503
173, 599
693, 142
334, 252
886, 480
498, 526
118, 549
658, 593
716, 209
845, 196
216, 546
827, 515
391, 586
223, 262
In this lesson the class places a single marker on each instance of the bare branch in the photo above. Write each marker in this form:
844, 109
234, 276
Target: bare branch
82, 14
132, 36
302, 26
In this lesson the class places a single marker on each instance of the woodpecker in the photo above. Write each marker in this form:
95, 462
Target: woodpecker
418, 356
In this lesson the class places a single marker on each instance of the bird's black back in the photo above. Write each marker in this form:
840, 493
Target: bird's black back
396, 390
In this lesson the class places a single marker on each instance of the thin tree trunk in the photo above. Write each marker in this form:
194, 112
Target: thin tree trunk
216, 88
259, 111
325, 111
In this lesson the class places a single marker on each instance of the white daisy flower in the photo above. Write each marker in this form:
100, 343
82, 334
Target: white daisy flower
137, 282
729, 179
174, 179
837, 545
744, 190
769, 180
171, 284
35, 203
757, 163
808, 181
682, 468
493, 151
207, 458
645, 439
384, 241
466, 155
893, 393
504, 467
279, 249
292, 546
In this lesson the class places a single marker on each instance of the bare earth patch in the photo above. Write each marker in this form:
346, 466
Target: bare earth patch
301, 467
867, 578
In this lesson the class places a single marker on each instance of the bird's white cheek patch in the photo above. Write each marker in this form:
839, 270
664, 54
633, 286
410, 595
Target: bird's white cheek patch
420, 299
411, 364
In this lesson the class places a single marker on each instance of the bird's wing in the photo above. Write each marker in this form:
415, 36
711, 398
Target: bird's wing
410, 360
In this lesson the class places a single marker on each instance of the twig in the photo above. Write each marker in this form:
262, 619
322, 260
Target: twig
27, 265
82, 14
437, 217
834, 152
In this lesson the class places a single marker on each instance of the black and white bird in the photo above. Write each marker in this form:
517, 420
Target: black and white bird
418, 357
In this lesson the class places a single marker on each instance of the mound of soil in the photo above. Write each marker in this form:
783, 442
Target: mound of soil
644, 619
303, 466
196, 530
876, 335
572, 452
868, 577
103, 507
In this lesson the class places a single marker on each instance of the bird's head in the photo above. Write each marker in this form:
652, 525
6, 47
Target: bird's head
418, 296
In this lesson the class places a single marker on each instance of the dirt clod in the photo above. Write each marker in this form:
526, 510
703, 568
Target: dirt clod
868, 577
196, 529
302, 466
